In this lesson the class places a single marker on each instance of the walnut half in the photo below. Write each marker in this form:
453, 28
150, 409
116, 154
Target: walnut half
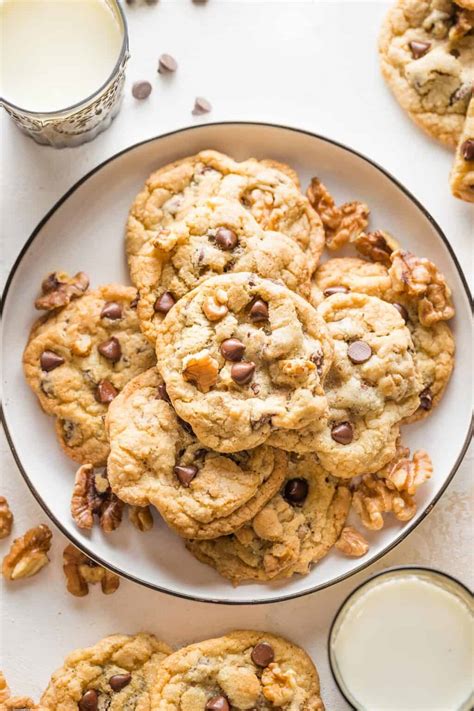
6, 518
201, 369
341, 224
92, 495
377, 246
28, 554
81, 571
58, 289
352, 543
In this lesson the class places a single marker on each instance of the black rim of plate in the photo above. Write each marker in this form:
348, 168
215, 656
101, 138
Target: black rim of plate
387, 571
197, 598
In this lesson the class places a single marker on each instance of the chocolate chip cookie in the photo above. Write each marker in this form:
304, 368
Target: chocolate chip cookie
215, 237
243, 670
462, 173
291, 533
116, 674
156, 459
79, 358
243, 357
427, 58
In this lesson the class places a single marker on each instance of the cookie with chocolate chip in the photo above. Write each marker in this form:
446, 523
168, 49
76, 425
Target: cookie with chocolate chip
117, 673
427, 58
295, 530
462, 173
155, 458
243, 357
243, 670
79, 358
217, 236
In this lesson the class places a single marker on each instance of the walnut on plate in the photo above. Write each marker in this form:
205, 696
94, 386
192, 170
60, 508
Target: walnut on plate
92, 495
28, 554
58, 289
141, 517
81, 571
376, 246
352, 543
6, 518
341, 224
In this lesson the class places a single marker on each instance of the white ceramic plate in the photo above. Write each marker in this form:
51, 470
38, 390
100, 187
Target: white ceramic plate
84, 230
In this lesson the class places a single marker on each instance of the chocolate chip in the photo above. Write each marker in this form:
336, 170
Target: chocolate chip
263, 654
120, 681
185, 474
105, 392
296, 491
318, 360
167, 63
89, 701
418, 49
141, 90
426, 399
201, 106
162, 393
110, 349
402, 311
259, 311
134, 303
164, 303
467, 149
242, 373
186, 426
50, 360
217, 703
335, 290
342, 433
226, 239
359, 352
232, 349
112, 310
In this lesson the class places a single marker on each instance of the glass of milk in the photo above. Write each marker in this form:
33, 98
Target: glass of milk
403, 641
62, 67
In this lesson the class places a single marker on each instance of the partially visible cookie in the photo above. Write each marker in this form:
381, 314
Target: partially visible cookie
116, 674
243, 357
243, 670
291, 533
427, 58
462, 173
78, 359
156, 459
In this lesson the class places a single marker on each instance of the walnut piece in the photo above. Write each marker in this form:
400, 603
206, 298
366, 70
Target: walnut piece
22, 703
201, 369
278, 686
418, 277
81, 571
352, 543
464, 23
376, 246
6, 518
141, 517
59, 289
213, 310
341, 224
28, 554
92, 495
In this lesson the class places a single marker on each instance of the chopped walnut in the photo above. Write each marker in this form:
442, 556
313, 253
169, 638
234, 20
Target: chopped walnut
141, 517
408, 475
28, 554
6, 518
341, 224
201, 369
464, 23
81, 571
92, 495
352, 543
420, 278
278, 686
377, 246
213, 310
59, 289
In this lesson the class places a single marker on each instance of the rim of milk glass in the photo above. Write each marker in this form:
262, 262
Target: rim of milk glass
122, 54
447, 582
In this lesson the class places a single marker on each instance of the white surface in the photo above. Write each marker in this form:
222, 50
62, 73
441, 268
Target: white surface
308, 64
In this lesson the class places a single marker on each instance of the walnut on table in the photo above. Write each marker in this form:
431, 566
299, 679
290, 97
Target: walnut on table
58, 289
28, 554
341, 224
352, 543
92, 495
6, 518
81, 571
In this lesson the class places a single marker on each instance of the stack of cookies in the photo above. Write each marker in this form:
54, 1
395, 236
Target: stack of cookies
243, 388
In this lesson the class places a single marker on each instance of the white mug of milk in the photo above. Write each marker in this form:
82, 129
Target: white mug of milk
62, 67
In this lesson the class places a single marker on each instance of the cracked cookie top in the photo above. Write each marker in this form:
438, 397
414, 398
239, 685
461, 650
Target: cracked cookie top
242, 357
155, 458
79, 358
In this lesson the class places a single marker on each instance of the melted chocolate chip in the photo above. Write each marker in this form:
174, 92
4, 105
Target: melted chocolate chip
164, 303
112, 310
263, 654
419, 49
359, 352
226, 239
185, 474
426, 399
105, 392
120, 681
242, 373
162, 393
296, 491
259, 311
110, 349
232, 349
467, 149
50, 360
342, 433
335, 290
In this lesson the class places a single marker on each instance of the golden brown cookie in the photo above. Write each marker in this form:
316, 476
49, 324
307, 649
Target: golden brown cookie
462, 173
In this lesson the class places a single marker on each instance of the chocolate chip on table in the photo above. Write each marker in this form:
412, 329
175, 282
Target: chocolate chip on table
50, 360
141, 90
232, 349
419, 49
217, 703
89, 701
296, 490
164, 303
120, 681
162, 393
259, 311
167, 63
226, 239
242, 373
201, 106
335, 290
467, 149
402, 311
112, 310
110, 349
263, 654
426, 399
105, 392
185, 474
342, 433
359, 352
